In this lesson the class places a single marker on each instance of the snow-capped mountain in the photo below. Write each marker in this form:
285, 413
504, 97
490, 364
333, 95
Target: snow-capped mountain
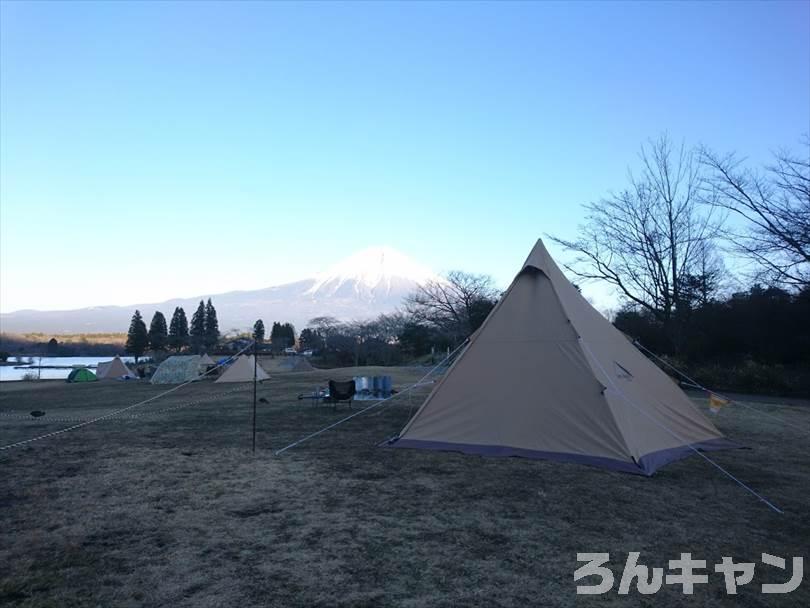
363, 285
377, 273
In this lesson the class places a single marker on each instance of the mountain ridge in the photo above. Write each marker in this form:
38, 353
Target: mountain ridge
363, 285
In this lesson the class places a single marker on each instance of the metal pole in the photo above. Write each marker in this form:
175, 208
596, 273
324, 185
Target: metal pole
255, 366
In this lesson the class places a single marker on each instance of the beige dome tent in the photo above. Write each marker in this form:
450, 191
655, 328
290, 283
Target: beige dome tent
108, 370
241, 370
177, 370
547, 376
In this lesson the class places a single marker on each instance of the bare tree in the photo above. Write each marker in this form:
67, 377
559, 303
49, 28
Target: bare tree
649, 238
775, 205
387, 327
707, 279
456, 306
324, 326
376, 340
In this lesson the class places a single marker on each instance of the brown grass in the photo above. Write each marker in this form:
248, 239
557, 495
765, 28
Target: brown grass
171, 509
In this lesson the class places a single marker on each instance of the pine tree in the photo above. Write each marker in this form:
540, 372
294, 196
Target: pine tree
258, 331
137, 336
197, 330
158, 334
211, 325
275, 338
178, 330
311, 340
289, 334
282, 335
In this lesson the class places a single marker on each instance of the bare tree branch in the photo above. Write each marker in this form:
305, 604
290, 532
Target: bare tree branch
453, 306
775, 206
650, 240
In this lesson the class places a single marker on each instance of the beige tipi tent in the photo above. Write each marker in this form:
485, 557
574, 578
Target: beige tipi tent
206, 363
295, 364
108, 370
547, 376
241, 370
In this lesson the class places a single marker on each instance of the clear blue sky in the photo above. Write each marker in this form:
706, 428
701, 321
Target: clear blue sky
151, 150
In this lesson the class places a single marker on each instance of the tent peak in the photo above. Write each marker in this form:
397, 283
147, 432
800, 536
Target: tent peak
539, 258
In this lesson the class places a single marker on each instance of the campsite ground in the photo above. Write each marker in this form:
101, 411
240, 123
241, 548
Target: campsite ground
171, 508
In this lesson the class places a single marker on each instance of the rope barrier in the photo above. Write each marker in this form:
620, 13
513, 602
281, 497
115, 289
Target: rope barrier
663, 426
29, 418
694, 384
370, 407
413, 386
124, 409
187, 404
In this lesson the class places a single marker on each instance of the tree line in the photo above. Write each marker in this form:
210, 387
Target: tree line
436, 316
201, 335
282, 335
757, 340
662, 243
661, 240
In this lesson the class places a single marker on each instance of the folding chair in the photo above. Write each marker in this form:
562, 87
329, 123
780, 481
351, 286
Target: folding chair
341, 391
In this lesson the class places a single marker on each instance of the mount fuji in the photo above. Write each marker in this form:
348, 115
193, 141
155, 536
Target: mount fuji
364, 285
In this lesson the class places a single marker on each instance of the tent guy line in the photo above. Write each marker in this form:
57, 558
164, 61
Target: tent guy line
413, 386
697, 385
27, 417
12, 415
373, 405
638, 408
119, 411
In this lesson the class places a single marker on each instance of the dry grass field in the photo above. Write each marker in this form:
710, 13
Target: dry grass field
170, 508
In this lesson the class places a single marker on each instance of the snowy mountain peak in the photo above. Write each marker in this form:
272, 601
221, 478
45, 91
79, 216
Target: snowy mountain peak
372, 272
362, 286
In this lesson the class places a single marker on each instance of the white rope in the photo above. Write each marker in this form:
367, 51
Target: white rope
187, 404
413, 386
370, 407
119, 411
663, 426
695, 384
28, 418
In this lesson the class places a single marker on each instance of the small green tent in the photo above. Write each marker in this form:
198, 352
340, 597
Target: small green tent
81, 374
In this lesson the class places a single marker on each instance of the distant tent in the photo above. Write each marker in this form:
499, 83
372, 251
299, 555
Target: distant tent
206, 363
547, 376
295, 364
241, 370
177, 369
107, 370
81, 374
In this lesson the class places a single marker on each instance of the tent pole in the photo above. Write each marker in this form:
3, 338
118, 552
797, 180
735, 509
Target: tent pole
255, 366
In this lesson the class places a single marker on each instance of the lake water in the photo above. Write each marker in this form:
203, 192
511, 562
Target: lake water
9, 372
